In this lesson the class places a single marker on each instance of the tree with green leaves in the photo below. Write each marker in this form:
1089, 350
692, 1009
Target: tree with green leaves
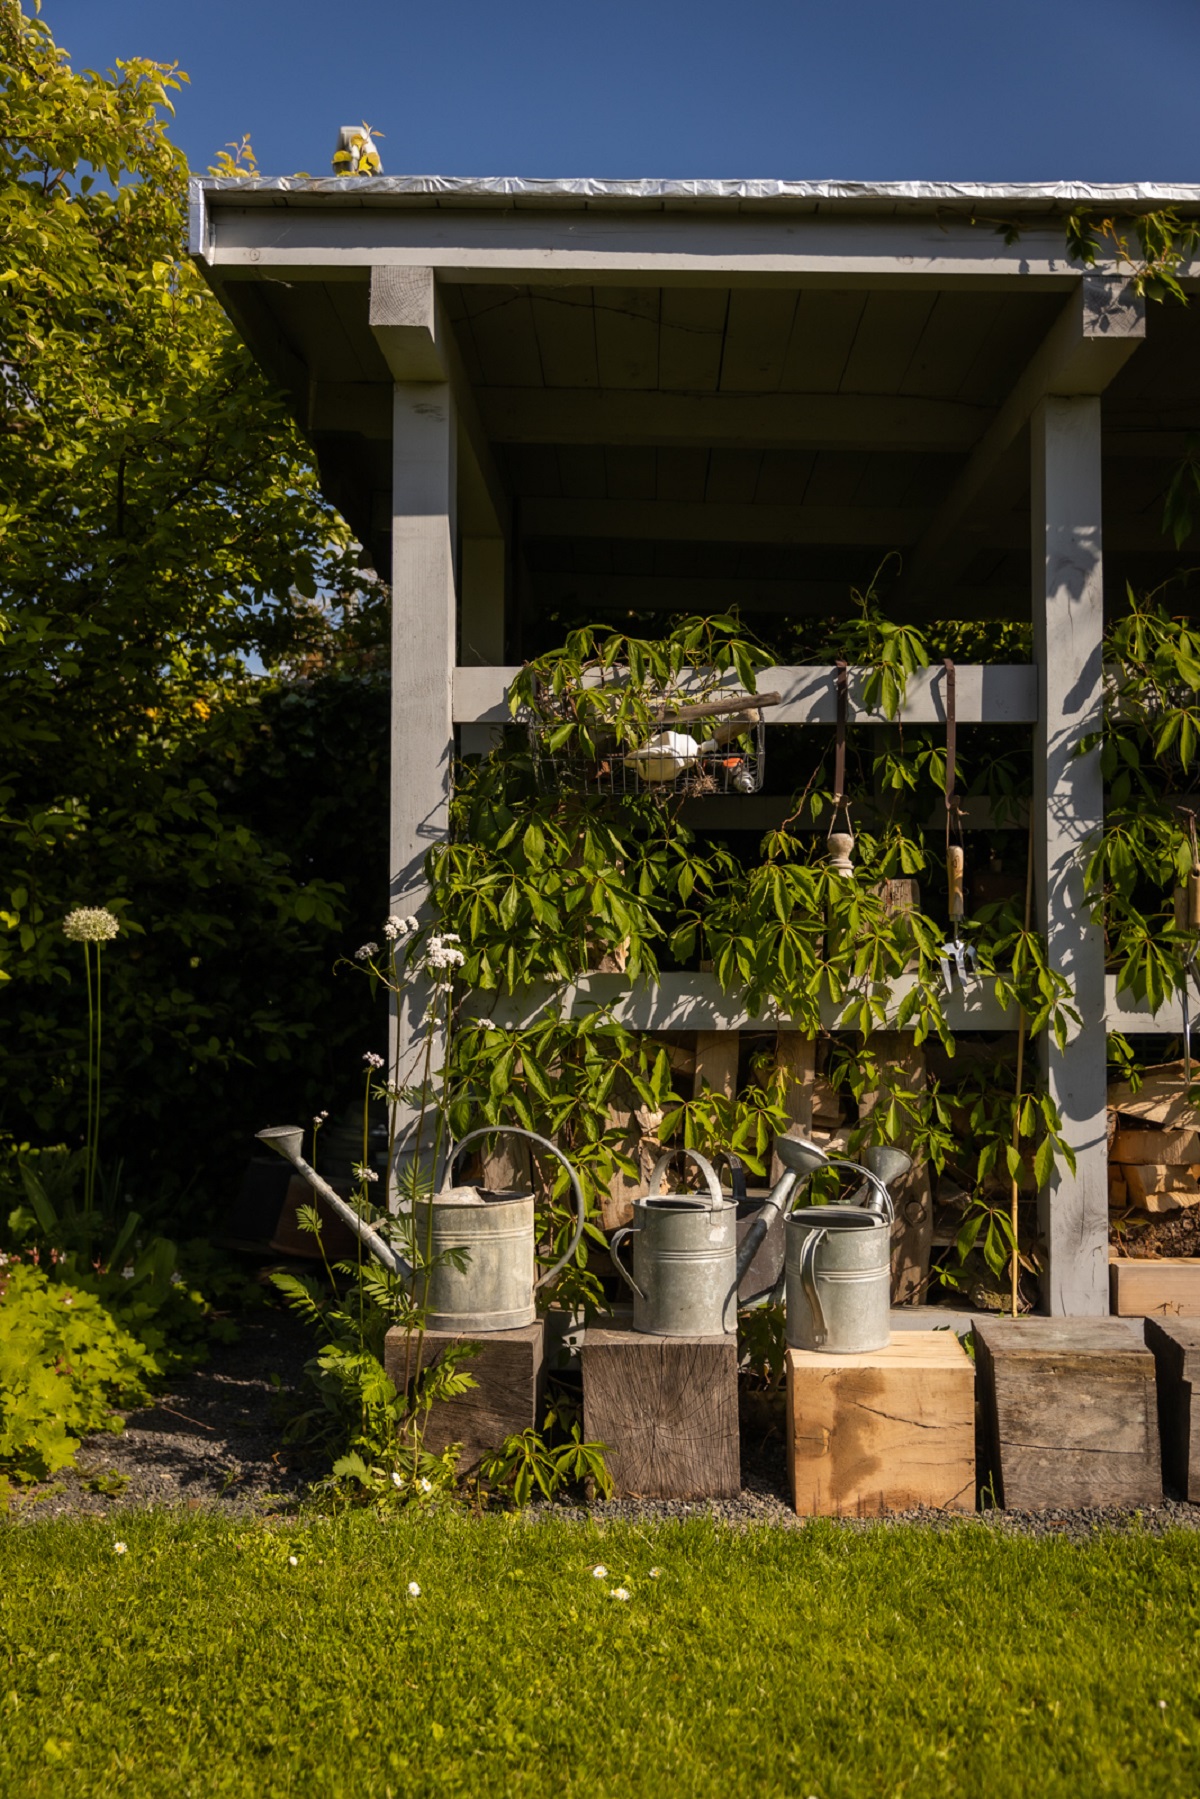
162, 535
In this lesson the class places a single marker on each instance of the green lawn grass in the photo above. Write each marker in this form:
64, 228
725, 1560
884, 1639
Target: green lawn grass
822, 1661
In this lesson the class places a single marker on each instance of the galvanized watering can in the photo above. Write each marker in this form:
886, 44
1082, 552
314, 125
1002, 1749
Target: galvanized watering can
684, 1276
495, 1232
838, 1259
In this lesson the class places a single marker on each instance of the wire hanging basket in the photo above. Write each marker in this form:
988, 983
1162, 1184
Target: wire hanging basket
692, 743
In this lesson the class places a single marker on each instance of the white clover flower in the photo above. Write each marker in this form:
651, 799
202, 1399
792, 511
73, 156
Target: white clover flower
120, 1549
619, 1593
363, 1173
365, 951
397, 1480
599, 1572
293, 1561
413, 1590
372, 1060
91, 924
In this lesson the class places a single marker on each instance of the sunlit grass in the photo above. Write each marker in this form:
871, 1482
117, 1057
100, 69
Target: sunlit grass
204, 1661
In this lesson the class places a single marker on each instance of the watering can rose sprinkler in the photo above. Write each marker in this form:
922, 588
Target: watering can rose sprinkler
493, 1235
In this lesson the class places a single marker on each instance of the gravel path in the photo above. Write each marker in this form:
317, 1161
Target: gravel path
215, 1443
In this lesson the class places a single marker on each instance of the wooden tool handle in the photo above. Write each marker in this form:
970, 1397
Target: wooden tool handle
1192, 902
954, 877
745, 702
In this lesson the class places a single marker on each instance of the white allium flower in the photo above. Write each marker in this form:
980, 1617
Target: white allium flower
365, 951
91, 924
372, 1060
293, 1561
119, 1549
413, 1590
363, 1173
619, 1593
397, 1480
599, 1572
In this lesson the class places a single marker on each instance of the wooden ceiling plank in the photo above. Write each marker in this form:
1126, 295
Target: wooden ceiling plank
949, 344
565, 321
631, 474
682, 474
888, 333
733, 477
823, 332
582, 471
627, 336
691, 338
757, 334
505, 337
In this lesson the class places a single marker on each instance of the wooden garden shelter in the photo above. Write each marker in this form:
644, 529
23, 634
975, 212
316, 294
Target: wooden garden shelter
661, 396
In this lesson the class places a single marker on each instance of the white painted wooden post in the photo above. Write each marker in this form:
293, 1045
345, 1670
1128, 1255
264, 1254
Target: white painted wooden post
423, 652
1068, 622
481, 630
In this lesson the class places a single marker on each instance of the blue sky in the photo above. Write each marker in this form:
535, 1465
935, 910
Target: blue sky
1016, 90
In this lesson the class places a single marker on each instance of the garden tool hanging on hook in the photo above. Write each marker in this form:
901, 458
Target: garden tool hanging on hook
1187, 918
840, 843
956, 956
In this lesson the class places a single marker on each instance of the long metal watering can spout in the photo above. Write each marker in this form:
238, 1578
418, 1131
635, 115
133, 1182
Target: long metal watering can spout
288, 1141
799, 1157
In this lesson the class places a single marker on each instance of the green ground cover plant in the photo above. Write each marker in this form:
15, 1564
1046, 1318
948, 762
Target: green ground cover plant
180, 1655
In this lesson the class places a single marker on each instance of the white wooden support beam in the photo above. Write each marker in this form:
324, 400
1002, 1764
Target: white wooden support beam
1068, 809
996, 693
858, 422
423, 654
1097, 331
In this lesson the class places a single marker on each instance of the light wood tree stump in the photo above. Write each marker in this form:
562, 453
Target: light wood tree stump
1070, 1412
667, 1410
509, 1370
883, 1431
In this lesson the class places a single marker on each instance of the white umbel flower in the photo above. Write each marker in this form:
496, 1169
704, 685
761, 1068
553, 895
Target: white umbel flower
372, 1060
365, 951
91, 924
443, 955
363, 1173
397, 929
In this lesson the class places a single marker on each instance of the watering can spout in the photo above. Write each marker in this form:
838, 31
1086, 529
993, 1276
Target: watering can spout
799, 1157
288, 1140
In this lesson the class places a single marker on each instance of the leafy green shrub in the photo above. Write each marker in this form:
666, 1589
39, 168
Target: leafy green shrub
65, 1364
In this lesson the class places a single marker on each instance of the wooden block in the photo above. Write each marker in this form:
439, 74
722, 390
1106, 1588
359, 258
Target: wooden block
885, 1431
1175, 1346
667, 1409
1174, 1147
1163, 1288
1118, 1192
1070, 1413
509, 1372
1160, 1188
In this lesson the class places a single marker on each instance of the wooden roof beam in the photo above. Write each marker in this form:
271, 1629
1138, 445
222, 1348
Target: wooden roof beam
688, 521
1092, 339
410, 325
784, 421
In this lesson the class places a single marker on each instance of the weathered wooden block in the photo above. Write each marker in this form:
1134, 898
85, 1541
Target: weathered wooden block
509, 1371
1070, 1412
885, 1431
1163, 1287
1175, 1347
667, 1409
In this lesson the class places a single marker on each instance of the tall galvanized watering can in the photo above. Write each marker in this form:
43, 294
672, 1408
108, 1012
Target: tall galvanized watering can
838, 1259
684, 1276
494, 1235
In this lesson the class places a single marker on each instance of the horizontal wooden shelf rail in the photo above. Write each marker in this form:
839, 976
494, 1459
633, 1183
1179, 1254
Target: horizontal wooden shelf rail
687, 1002
987, 693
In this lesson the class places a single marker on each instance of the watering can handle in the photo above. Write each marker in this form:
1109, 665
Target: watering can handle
808, 1281
514, 1130
703, 1164
618, 1237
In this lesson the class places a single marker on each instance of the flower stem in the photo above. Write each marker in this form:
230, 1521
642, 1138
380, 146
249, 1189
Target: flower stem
90, 1139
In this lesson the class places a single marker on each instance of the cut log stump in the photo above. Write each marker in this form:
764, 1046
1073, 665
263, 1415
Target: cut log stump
884, 1431
1070, 1413
509, 1374
667, 1410
1175, 1347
